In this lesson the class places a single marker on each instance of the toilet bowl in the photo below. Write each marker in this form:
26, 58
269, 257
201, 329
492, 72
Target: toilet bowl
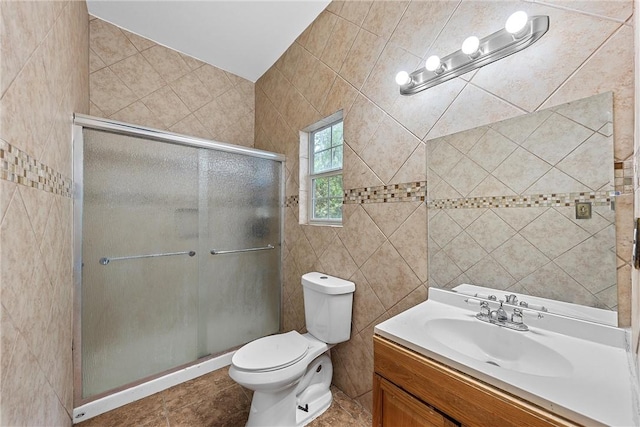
290, 373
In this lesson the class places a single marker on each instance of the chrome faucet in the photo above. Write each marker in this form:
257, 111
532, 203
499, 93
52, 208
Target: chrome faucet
499, 317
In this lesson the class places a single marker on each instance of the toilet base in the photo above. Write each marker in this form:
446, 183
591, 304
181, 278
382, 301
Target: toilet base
314, 409
298, 405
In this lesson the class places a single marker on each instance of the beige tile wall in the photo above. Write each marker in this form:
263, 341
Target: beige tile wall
135, 80
347, 59
44, 76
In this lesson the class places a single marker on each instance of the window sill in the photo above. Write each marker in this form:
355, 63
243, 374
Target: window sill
325, 224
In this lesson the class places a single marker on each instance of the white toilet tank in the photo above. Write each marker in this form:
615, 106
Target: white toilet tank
327, 307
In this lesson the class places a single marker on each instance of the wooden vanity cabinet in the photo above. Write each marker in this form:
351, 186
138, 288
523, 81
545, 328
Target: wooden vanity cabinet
398, 408
412, 390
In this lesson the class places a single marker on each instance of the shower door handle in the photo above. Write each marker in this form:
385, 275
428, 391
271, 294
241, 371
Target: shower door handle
106, 260
234, 251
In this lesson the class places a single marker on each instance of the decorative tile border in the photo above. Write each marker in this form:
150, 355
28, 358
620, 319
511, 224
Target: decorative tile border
623, 176
21, 168
597, 198
291, 201
404, 192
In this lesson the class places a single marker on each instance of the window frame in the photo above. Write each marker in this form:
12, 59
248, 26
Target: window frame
325, 174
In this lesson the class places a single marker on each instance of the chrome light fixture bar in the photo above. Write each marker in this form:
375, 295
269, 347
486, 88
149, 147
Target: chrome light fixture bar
520, 32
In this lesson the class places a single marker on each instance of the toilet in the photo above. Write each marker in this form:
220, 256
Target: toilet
290, 373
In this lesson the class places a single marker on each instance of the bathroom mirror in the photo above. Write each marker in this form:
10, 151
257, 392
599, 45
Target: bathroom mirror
526, 205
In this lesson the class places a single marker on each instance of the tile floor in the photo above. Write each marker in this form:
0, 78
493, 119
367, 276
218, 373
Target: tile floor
214, 400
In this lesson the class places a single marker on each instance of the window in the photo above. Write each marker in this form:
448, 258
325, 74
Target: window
325, 174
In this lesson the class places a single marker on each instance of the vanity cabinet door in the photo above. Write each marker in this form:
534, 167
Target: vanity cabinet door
461, 397
397, 408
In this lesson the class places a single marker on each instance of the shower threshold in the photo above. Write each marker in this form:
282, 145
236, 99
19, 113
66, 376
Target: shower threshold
140, 391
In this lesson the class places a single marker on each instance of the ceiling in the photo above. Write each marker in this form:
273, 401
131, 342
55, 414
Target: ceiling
242, 37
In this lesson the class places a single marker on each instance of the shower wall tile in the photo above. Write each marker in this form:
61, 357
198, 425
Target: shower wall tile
134, 80
169, 63
394, 35
138, 74
28, 23
109, 93
108, 42
139, 42
166, 106
189, 89
137, 112
45, 69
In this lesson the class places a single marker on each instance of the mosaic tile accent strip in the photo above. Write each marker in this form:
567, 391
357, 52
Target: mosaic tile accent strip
291, 201
21, 168
623, 176
404, 192
597, 198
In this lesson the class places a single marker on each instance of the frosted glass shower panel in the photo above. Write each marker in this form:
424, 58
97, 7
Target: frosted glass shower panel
153, 296
239, 292
139, 316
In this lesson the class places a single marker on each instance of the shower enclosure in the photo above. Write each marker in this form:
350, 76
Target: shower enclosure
177, 252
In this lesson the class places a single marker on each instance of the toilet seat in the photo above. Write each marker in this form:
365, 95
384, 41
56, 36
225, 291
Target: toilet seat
271, 353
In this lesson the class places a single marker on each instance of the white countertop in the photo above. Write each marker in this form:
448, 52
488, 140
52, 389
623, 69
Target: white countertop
599, 386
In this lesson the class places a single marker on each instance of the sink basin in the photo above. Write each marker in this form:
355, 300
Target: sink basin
507, 349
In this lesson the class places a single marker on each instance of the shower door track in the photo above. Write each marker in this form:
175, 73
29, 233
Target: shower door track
82, 120
197, 367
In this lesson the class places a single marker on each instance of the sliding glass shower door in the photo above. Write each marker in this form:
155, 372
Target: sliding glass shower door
153, 296
241, 197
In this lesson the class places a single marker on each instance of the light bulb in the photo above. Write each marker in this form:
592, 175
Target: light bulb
516, 22
470, 46
403, 78
433, 63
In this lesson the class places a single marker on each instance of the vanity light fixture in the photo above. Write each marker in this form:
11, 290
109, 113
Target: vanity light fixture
519, 32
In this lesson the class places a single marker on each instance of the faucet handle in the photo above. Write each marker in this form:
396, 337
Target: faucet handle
512, 299
485, 310
516, 316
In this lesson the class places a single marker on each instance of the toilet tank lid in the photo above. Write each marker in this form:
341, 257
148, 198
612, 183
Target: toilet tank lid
326, 284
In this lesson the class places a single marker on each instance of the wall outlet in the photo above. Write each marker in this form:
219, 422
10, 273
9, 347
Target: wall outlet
583, 210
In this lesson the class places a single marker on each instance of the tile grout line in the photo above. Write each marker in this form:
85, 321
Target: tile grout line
581, 12
49, 31
584, 63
